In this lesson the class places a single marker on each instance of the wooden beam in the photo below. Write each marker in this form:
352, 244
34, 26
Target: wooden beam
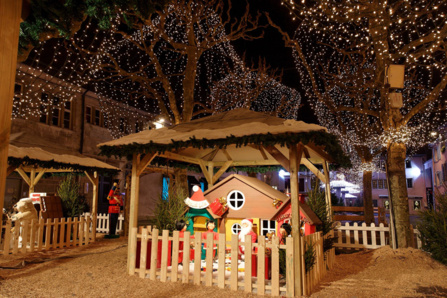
205, 172
145, 161
306, 153
10, 170
250, 163
222, 170
131, 255
210, 155
10, 14
318, 151
179, 157
327, 188
94, 178
278, 156
23, 175
227, 155
295, 153
313, 169
39, 176
32, 177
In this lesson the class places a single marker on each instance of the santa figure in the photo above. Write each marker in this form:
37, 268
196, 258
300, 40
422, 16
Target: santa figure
197, 200
247, 229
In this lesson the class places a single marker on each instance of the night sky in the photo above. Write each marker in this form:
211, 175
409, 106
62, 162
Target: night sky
272, 47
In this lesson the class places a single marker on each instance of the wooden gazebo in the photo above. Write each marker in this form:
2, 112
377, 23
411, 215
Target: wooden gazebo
230, 139
32, 163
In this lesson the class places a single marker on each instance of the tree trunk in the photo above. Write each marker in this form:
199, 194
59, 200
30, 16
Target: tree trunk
367, 197
398, 193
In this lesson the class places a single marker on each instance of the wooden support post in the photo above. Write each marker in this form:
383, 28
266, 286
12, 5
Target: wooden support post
206, 172
327, 188
32, 177
134, 189
94, 179
295, 153
10, 14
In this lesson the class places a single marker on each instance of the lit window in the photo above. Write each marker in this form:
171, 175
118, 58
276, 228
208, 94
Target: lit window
236, 200
374, 184
408, 164
236, 228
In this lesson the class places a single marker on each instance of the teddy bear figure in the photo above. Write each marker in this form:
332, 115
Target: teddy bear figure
25, 212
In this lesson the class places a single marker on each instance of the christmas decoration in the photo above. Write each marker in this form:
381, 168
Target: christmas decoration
197, 200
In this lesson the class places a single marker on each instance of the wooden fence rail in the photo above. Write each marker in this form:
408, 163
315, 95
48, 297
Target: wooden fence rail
366, 237
258, 273
26, 236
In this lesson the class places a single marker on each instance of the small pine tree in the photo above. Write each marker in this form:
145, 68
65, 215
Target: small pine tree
433, 228
68, 191
172, 209
316, 200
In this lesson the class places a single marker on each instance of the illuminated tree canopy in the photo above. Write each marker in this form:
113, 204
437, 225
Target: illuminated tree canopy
343, 50
171, 63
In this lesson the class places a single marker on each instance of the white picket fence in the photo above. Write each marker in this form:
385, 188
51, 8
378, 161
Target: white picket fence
102, 222
221, 266
366, 237
30, 236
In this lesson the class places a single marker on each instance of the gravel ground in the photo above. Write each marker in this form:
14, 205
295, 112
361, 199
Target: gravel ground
99, 270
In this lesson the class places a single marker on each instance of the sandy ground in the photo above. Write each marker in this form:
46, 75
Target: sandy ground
99, 270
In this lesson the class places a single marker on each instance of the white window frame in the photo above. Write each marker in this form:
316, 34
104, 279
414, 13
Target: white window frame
237, 227
269, 229
231, 200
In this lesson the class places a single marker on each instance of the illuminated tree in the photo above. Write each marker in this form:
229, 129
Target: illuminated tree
257, 88
343, 49
53, 19
167, 63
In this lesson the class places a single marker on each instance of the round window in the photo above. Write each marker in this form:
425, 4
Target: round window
236, 200
236, 228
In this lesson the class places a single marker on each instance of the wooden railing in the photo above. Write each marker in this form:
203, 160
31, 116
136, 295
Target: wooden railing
351, 217
224, 268
366, 237
32, 236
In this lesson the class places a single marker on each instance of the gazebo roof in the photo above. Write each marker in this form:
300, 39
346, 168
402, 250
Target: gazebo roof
37, 157
239, 135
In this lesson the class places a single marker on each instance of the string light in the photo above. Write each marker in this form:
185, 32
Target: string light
341, 50
170, 64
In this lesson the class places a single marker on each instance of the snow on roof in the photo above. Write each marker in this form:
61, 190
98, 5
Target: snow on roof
238, 123
38, 154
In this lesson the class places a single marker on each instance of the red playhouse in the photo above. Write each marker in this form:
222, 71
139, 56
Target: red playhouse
307, 216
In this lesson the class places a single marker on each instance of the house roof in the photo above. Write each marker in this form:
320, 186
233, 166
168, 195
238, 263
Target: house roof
304, 208
34, 156
237, 135
253, 182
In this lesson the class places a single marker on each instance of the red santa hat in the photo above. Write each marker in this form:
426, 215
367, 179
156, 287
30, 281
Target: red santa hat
248, 221
197, 200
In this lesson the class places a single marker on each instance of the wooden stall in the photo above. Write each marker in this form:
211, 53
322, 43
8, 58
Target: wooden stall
238, 137
32, 163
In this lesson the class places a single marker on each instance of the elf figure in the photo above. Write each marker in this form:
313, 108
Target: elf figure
247, 229
210, 225
115, 203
